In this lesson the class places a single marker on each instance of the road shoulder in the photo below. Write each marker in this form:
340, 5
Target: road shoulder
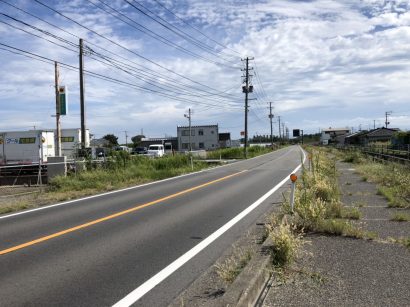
340, 271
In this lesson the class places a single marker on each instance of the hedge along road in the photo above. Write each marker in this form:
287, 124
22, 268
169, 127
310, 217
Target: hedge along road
118, 247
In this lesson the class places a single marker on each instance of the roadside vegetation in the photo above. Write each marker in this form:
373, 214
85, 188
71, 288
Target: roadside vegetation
229, 269
400, 217
121, 170
317, 209
393, 179
124, 170
237, 153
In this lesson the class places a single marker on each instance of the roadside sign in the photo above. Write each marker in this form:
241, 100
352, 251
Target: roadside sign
242, 133
62, 92
296, 132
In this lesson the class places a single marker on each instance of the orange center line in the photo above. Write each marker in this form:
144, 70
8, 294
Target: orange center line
112, 216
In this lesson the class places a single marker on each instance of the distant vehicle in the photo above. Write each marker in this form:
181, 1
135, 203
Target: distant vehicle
168, 148
156, 150
139, 151
122, 148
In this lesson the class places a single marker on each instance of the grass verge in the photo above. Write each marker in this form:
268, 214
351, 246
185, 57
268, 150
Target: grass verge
400, 217
393, 179
317, 206
123, 170
237, 153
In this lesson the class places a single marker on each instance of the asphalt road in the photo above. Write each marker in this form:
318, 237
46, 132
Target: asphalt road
93, 252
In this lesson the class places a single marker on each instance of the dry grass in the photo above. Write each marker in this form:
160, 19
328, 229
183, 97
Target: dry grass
232, 266
286, 242
317, 201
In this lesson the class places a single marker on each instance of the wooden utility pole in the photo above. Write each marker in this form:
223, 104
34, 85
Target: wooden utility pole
58, 122
271, 127
82, 104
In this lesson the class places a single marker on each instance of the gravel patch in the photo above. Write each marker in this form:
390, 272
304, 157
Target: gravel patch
339, 271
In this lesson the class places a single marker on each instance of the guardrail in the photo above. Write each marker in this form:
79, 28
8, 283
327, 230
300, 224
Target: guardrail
382, 152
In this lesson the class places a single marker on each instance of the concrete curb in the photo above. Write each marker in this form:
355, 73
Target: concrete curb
250, 283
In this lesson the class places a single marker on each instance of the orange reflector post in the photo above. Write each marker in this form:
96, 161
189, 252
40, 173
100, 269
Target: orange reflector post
293, 177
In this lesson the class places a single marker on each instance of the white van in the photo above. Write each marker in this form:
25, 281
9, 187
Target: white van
156, 150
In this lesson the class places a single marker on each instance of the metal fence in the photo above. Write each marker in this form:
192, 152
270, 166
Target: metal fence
400, 154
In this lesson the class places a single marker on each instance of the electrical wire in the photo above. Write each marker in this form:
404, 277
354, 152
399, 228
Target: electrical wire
175, 30
122, 47
103, 77
151, 33
156, 75
197, 30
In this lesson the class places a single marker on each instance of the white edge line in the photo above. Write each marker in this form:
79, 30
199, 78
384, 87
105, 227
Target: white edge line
122, 190
148, 285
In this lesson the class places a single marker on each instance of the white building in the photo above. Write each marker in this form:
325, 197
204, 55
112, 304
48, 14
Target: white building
202, 137
25, 147
71, 141
330, 135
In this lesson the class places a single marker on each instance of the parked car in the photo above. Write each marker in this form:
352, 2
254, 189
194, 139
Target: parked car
156, 150
139, 151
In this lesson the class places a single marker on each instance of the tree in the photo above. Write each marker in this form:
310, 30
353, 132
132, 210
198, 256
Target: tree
112, 139
137, 139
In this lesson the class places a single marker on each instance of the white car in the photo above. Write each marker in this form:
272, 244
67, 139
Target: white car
156, 150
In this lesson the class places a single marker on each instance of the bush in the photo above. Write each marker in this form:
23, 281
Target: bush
286, 243
122, 170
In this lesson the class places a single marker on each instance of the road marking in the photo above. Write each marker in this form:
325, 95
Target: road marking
148, 285
130, 188
112, 216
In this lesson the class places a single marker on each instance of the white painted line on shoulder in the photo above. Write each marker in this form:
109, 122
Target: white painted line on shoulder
148, 285
118, 191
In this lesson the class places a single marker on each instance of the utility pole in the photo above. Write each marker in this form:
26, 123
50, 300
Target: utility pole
387, 114
189, 120
283, 130
280, 135
82, 104
247, 88
374, 124
271, 127
126, 138
58, 122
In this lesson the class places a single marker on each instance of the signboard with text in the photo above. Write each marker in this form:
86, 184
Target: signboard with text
62, 92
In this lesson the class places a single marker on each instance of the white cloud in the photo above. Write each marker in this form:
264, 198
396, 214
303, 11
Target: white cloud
324, 63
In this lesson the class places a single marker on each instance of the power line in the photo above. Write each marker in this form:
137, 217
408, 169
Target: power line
158, 75
151, 33
119, 45
197, 30
106, 78
175, 30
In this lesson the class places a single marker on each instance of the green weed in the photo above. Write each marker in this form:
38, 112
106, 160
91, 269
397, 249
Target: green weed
400, 217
